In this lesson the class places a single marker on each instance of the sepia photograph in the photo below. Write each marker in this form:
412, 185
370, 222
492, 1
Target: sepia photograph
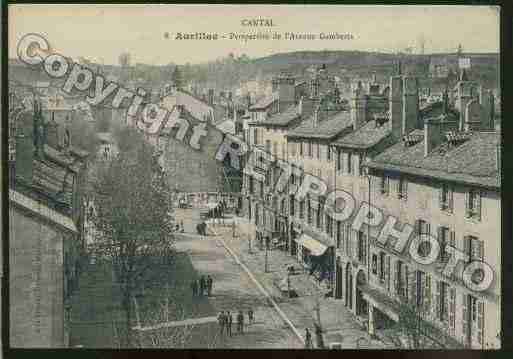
215, 176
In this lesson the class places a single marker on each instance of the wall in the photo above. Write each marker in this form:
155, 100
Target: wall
36, 283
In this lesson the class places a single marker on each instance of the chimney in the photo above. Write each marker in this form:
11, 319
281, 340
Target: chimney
358, 110
211, 97
396, 105
433, 135
286, 93
315, 117
410, 104
52, 132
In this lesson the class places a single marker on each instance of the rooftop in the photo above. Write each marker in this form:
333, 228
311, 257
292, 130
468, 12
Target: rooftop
264, 102
366, 136
472, 162
283, 118
326, 129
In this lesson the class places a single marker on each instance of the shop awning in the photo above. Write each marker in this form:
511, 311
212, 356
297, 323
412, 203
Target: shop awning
316, 248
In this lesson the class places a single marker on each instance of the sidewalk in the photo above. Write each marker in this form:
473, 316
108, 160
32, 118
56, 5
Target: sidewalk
339, 325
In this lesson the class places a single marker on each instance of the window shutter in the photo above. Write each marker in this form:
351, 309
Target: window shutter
413, 288
466, 247
467, 204
427, 294
439, 237
406, 286
480, 252
437, 298
450, 191
387, 272
440, 196
446, 302
452, 310
480, 324
464, 321
477, 206
396, 277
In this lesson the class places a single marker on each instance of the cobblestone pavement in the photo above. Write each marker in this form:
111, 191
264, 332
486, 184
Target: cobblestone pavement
339, 325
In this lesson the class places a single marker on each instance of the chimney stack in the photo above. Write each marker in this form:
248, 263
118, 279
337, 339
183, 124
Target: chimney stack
358, 110
396, 105
433, 135
410, 119
52, 131
211, 97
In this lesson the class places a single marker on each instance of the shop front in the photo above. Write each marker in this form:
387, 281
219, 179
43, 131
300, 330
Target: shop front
316, 256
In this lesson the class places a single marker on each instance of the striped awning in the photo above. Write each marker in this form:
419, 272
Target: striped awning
316, 248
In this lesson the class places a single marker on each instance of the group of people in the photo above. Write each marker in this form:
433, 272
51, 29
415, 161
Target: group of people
202, 285
225, 320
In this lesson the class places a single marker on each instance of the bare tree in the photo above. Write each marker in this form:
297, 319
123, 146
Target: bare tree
133, 217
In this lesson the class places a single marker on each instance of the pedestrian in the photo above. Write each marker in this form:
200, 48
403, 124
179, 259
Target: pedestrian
202, 285
240, 322
194, 287
209, 285
220, 320
251, 317
308, 339
229, 321
181, 227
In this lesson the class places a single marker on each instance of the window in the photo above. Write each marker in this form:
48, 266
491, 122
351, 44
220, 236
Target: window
268, 146
309, 211
275, 149
318, 148
474, 248
382, 267
283, 152
328, 152
251, 185
374, 264
442, 301
423, 228
473, 204
384, 185
255, 136
402, 188
301, 150
292, 205
349, 163
339, 161
362, 247
339, 235
387, 272
401, 278
446, 193
301, 209
445, 238
310, 149
261, 189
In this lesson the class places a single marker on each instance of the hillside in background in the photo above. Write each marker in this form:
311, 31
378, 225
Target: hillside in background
231, 71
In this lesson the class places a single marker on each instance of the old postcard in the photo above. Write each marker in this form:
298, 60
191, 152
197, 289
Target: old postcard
266, 176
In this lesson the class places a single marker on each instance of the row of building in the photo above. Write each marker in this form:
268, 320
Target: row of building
436, 167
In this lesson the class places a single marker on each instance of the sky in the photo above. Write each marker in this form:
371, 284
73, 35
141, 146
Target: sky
100, 32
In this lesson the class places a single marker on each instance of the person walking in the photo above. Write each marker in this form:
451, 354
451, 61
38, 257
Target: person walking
182, 230
240, 322
250, 316
202, 285
209, 285
221, 321
194, 287
229, 321
308, 339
